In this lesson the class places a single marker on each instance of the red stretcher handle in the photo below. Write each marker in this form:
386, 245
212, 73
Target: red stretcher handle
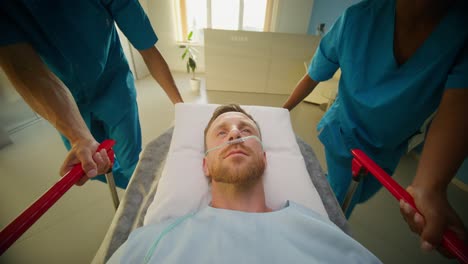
25, 220
450, 241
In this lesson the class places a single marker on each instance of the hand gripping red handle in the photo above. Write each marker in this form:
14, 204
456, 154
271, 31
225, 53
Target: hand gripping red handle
27, 218
450, 241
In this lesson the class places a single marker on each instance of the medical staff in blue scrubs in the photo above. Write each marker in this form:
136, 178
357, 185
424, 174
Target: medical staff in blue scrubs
66, 60
401, 61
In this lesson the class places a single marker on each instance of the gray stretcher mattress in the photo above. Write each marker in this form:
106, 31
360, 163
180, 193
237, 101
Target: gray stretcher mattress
144, 183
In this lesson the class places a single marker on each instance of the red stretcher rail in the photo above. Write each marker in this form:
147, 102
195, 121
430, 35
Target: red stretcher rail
25, 220
450, 241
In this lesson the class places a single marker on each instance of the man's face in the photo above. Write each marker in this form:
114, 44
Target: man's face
241, 163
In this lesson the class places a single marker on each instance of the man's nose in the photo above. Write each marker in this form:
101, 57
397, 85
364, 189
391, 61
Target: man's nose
234, 134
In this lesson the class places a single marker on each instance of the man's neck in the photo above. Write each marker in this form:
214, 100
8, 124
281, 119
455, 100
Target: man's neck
240, 198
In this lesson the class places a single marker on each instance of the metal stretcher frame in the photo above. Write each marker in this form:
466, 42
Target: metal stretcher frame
363, 165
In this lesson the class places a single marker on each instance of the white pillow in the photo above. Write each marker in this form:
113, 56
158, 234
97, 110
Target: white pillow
183, 187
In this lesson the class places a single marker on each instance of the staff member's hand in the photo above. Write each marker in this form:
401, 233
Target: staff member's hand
93, 163
438, 215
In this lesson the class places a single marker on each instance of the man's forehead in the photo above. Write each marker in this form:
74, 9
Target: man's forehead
229, 117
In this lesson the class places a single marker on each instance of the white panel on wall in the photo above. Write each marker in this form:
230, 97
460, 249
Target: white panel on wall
284, 75
248, 76
261, 62
294, 45
289, 52
237, 60
242, 43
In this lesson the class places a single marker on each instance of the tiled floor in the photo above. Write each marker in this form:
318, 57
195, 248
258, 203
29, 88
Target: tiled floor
72, 230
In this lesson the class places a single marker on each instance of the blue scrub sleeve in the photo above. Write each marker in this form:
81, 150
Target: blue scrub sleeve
458, 75
132, 20
325, 62
10, 32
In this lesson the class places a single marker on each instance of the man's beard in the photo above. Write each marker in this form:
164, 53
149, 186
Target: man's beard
246, 174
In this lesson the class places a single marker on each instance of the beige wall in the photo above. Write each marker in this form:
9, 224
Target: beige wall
7, 91
292, 16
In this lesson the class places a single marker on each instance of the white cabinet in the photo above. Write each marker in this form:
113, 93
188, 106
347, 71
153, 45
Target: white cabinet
259, 62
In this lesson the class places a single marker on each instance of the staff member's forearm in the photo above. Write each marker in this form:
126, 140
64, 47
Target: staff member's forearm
305, 86
161, 73
446, 145
43, 91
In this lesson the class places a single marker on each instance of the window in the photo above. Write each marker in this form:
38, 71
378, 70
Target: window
254, 20
193, 16
250, 15
225, 14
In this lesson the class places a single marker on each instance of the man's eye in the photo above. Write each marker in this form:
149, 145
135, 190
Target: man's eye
246, 130
221, 133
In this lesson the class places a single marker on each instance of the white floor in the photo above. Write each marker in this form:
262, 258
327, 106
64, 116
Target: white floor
72, 230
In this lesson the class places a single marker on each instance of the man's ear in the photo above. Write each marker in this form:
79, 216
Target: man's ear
205, 167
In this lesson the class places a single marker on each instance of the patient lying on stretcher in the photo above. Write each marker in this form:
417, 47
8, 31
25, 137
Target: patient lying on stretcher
237, 226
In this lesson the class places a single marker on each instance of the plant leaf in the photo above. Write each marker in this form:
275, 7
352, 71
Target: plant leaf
192, 64
185, 53
189, 37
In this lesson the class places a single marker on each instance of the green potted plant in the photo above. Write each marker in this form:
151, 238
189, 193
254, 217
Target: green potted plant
190, 58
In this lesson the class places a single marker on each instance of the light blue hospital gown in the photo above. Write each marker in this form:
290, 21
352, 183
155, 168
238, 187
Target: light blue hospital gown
293, 234
79, 43
380, 104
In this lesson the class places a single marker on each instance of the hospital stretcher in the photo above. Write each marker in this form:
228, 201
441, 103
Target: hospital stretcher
140, 193
144, 184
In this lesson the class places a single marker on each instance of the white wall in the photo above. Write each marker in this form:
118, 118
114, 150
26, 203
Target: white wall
127, 49
162, 16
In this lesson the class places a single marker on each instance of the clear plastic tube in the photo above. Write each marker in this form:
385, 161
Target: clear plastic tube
234, 141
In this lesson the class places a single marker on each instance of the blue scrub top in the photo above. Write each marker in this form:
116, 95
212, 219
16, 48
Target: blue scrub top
381, 104
79, 42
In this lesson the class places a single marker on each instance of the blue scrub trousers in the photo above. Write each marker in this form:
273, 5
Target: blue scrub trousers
127, 134
340, 176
